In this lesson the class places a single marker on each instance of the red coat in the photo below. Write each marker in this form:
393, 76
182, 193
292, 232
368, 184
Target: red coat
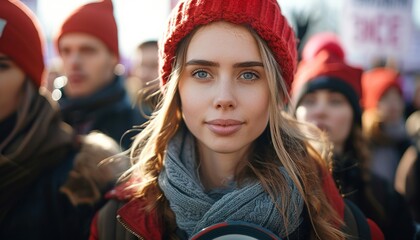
131, 215
147, 226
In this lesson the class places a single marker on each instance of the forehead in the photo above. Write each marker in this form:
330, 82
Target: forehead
80, 39
222, 39
325, 92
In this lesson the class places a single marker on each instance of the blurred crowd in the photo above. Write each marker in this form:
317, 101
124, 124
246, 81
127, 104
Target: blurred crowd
67, 128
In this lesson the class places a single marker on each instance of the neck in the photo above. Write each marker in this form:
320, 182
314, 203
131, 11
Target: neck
338, 149
218, 169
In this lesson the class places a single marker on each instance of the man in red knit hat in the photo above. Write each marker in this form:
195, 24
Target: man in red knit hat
50, 182
94, 97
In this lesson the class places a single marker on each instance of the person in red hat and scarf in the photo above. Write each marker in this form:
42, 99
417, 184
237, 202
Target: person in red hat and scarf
94, 97
50, 182
219, 149
326, 92
383, 120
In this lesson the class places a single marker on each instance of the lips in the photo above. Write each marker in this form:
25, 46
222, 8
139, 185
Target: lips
224, 127
75, 78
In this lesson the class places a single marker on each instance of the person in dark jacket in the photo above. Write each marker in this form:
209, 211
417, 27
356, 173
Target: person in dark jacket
219, 148
50, 181
326, 93
94, 97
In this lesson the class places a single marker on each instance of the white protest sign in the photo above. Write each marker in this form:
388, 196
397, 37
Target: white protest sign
374, 29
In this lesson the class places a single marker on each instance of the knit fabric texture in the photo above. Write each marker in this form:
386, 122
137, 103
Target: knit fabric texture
376, 82
324, 67
196, 209
21, 39
264, 16
96, 19
320, 41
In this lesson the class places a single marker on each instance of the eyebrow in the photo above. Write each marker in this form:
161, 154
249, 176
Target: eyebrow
4, 58
202, 63
248, 64
214, 64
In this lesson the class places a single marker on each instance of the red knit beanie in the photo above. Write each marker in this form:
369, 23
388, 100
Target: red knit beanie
323, 41
324, 67
21, 39
96, 19
376, 82
264, 16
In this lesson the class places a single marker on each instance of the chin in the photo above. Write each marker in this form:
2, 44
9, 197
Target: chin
225, 148
76, 93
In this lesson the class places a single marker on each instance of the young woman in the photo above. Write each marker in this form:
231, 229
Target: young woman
50, 183
383, 120
326, 93
219, 148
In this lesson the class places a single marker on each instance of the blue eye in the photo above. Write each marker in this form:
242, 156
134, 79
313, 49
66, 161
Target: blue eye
249, 76
201, 74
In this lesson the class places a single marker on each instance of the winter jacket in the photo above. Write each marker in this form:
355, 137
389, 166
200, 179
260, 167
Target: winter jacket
124, 218
376, 198
61, 203
50, 182
108, 111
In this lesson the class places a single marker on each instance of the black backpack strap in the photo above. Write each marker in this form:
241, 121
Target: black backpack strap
357, 226
350, 227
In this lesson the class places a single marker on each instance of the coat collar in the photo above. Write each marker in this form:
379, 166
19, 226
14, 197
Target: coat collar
139, 221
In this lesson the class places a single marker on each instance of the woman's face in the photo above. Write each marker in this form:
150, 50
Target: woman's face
223, 88
330, 111
391, 106
11, 82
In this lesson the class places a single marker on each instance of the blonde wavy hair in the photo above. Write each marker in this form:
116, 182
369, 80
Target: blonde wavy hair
282, 144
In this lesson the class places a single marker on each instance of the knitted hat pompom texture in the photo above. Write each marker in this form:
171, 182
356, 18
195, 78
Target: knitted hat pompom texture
264, 16
21, 39
96, 19
323, 55
323, 66
323, 41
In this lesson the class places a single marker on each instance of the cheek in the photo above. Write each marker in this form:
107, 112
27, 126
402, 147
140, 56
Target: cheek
191, 103
101, 65
257, 108
262, 107
342, 123
99, 70
11, 88
257, 98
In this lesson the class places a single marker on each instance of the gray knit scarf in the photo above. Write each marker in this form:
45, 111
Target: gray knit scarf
196, 209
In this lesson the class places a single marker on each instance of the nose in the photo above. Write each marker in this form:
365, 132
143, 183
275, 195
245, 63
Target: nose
73, 60
319, 110
225, 95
